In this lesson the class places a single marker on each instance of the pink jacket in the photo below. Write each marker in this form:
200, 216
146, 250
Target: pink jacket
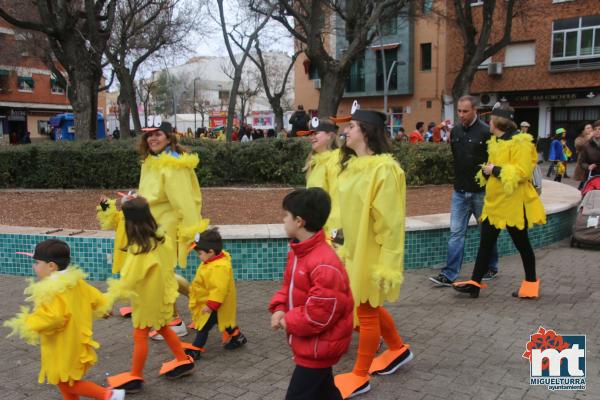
318, 303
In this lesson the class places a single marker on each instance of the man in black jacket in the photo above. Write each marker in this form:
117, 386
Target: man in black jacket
468, 140
299, 121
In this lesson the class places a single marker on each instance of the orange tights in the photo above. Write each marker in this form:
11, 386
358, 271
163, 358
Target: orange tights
375, 322
140, 347
83, 388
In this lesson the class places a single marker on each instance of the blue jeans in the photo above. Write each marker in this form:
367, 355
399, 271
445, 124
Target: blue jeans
463, 205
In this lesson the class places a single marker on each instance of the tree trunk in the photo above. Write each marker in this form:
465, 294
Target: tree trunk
123, 114
278, 111
85, 106
333, 83
462, 83
237, 78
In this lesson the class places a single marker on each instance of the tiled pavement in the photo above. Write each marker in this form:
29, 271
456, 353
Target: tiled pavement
464, 348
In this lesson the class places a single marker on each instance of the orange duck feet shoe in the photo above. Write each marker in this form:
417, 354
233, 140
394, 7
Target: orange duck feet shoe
390, 360
470, 287
176, 369
126, 381
351, 385
528, 290
125, 312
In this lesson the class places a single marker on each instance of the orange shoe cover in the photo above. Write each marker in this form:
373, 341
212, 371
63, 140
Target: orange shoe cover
529, 290
189, 346
463, 283
171, 365
351, 385
125, 312
386, 359
226, 337
121, 379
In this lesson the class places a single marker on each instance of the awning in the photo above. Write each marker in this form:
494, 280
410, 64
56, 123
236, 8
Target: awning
26, 79
388, 46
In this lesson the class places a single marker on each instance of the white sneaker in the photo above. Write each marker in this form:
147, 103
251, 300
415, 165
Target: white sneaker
177, 326
117, 394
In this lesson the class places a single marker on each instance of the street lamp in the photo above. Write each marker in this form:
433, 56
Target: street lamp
194, 104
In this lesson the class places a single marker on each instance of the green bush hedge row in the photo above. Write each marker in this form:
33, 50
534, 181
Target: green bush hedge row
103, 164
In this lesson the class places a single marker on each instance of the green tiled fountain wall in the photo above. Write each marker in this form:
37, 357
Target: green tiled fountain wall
264, 259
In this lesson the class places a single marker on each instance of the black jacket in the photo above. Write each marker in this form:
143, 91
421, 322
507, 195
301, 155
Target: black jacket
469, 150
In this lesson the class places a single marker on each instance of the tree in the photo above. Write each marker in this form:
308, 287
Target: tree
238, 65
142, 28
77, 33
311, 21
144, 89
162, 92
477, 37
250, 86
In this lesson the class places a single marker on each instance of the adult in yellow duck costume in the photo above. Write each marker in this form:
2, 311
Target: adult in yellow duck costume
511, 202
372, 193
323, 167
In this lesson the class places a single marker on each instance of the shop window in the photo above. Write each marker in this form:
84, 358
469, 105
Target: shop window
25, 84
561, 114
592, 114
391, 55
356, 78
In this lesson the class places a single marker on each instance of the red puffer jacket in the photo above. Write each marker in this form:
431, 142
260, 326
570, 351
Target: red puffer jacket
318, 303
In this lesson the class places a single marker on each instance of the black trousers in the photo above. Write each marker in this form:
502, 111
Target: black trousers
489, 236
202, 335
312, 384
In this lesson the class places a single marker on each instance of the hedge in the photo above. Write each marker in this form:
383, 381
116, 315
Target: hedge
115, 164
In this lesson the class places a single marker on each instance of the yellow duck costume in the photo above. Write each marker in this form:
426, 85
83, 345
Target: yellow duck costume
512, 192
64, 306
372, 192
214, 282
324, 171
169, 183
148, 280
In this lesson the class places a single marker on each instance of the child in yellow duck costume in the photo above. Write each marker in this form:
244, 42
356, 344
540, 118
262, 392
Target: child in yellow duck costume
213, 299
148, 281
511, 202
323, 167
62, 322
372, 194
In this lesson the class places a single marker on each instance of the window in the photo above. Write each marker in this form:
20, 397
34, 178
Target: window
391, 55
425, 56
576, 43
520, 54
356, 79
312, 72
25, 83
55, 87
224, 96
4, 80
427, 6
389, 26
476, 2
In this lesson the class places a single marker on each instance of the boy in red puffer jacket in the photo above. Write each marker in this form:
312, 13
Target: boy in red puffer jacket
315, 304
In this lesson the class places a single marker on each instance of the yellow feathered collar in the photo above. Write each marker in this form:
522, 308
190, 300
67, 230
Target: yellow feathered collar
357, 164
44, 291
168, 160
324, 157
496, 145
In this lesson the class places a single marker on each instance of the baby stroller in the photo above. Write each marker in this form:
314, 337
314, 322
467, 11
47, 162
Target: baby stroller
586, 230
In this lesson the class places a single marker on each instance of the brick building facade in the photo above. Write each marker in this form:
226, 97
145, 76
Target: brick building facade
550, 72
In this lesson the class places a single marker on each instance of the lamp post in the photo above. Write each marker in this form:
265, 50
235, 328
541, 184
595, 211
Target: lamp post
194, 104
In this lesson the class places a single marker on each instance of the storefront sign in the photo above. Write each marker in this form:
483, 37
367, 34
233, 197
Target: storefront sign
17, 115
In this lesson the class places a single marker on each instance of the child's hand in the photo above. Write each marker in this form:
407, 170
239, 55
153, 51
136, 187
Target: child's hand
276, 319
283, 324
207, 310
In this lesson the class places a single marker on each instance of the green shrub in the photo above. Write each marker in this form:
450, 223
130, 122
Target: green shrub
103, 164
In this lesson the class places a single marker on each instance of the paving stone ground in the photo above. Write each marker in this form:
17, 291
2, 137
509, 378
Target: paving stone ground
464, 348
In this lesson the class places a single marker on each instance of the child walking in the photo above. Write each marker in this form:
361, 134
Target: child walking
213, 295
64, 307
148, 281
314, 305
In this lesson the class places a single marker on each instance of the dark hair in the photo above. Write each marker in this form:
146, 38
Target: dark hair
377, 141
144, 150
504, 124
140, 226
596, 124
210, 239
53, 250
313, 205
420, 124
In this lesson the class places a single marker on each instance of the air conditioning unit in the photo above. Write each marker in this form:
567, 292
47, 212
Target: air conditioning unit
494, 68
487, 99
317, 83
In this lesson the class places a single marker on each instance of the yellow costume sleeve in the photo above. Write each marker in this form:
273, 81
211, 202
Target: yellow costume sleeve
113, 219
388, 213
220, 283
519, 167
131, 276
99, 302
187, 203
49, 319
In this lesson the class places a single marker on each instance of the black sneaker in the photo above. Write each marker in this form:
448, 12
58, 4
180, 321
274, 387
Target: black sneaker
195, 354
236, 342
402, 359
180, 371
131, 387
441, 280
489, 275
